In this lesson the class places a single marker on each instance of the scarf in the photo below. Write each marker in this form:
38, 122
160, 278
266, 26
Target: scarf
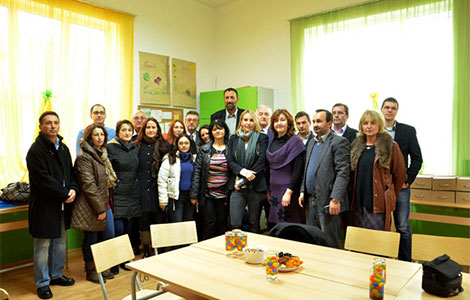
156, 154
110, 174
247, 157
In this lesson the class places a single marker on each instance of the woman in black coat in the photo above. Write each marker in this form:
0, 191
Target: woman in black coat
152, 147
209, 182
123, 156
246, 159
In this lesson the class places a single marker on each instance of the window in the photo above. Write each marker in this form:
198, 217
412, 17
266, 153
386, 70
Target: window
405, 54
80, 52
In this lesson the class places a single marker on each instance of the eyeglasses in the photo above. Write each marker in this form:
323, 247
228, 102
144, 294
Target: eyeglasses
99, 113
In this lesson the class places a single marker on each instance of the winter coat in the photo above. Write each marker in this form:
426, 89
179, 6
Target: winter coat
169, 179
389, 173
92, 200
201, 171
126, 195
148, 186
51, 178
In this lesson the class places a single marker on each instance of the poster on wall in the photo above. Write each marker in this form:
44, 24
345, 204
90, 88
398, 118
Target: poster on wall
184, 83
154, 73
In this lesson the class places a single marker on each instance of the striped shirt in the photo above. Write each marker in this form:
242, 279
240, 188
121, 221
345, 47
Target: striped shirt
218, 175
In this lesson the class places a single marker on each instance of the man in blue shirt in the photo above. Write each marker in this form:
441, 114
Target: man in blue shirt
98, 116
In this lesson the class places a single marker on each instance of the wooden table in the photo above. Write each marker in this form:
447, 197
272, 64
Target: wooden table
206, 270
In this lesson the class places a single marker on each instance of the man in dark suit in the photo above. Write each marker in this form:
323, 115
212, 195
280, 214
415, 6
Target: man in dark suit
340, 117
405, 136
326, 177
231, 113
192, 123
53, 189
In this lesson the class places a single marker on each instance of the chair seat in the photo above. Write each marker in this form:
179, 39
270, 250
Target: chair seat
164, 296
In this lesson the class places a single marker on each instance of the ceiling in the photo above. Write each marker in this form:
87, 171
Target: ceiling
215, 3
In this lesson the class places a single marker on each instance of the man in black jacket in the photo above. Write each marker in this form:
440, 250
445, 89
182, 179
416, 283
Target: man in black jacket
340, 117
405, 136
231, 114
53, 189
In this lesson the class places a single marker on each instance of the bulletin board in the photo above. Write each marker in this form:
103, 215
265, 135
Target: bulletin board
164, 115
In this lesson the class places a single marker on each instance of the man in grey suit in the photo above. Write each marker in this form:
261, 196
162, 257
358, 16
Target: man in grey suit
326, 177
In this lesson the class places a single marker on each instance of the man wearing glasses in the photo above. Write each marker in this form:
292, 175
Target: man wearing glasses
98, 116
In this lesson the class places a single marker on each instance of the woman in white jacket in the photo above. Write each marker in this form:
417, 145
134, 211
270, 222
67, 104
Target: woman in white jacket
174, 180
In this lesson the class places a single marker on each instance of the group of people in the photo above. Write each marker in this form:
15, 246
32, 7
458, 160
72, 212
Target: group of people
223, 175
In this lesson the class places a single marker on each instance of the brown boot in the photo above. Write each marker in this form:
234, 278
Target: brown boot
91, 274
145, 238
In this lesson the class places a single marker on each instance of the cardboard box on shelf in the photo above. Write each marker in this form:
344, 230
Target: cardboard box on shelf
443, 196
463, 184
422, 182
444, 183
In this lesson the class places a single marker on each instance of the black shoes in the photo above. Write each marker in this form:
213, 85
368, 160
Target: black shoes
44, 292
63, 281
123, 266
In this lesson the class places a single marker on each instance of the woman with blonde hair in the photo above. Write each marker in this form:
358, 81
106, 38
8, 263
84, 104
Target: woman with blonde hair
379, 173
246, 159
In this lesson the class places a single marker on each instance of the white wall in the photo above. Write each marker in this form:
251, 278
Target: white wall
181, 29
253, 42
243, 43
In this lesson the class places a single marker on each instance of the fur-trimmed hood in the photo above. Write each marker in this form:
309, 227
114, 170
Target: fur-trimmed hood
383, 150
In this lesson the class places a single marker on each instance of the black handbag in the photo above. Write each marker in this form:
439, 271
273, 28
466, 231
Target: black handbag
16, 193
442, 277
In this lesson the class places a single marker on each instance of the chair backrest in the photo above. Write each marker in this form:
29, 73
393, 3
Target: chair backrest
112, 252
427, 247
4, 295
173, 234
378, 242
301, 233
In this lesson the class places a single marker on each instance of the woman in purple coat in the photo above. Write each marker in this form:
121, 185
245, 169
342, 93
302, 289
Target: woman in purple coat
286, 158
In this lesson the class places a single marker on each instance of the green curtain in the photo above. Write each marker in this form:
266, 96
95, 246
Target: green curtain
461, 115
369, 12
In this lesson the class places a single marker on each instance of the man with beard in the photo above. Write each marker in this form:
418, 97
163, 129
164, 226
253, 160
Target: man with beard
326, 177
231, 113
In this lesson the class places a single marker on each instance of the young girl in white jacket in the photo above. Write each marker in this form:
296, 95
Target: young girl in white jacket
174, 180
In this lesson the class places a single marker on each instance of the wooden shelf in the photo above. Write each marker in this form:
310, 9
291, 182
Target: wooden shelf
443, 204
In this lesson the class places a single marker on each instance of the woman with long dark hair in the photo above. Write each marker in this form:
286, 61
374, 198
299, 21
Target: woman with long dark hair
204, 135
209, 184
123, 155
92, 210
152, 148
246, 159
174, 180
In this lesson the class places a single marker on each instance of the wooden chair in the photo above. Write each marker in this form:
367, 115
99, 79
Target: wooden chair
4, 295
113, 252
173, 234
378, 242
427, 247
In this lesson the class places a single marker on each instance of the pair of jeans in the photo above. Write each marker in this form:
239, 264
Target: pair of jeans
123, 226
214, 216
401, 215
49, 258
238, 201
182, 209
327, 223
93, 237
